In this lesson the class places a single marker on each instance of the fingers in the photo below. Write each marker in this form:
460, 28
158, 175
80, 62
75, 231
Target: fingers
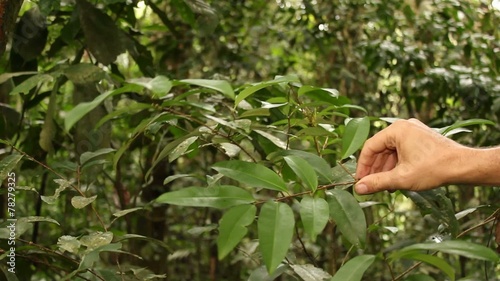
374, 153
377, 182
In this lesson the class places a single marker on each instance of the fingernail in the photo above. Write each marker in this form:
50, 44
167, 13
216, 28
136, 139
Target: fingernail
361, 188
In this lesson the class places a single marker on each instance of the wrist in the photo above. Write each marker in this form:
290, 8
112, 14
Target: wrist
474, 166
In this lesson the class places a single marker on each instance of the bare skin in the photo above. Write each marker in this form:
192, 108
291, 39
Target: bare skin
409, 155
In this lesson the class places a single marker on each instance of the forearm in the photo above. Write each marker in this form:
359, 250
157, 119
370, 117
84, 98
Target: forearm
479, 166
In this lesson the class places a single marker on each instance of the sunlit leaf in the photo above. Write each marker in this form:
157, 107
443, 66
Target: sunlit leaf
252, 174
314, 215
220, 197
354, 269
80, 202
181, 149
275, 228
219, 85
63, 184
160, 85
69, 243
356, 132
233, 227
95, 240
277, 141
348, 216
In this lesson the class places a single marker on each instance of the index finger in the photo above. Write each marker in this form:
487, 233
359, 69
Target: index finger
379, 143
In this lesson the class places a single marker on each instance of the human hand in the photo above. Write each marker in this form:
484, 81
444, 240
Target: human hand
406, 155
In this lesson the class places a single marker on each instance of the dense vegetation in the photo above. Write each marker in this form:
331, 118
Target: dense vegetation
217, 140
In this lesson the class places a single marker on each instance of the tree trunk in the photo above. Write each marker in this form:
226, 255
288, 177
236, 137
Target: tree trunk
9, 9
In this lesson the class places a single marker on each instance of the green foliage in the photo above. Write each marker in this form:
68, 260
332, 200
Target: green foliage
213, 140
349, 216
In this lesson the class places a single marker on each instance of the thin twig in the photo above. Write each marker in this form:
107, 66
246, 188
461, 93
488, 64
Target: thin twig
309, 256
60, 176
310, 192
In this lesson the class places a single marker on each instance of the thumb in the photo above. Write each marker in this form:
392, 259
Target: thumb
377, 182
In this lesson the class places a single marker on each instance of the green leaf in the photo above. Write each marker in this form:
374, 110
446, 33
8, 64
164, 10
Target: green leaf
63, 184
304, 171
465, 123
93, 256
232, 227
171, 178
80, 202
8, 164
354, 269
167, 149
309, 272
181, 149
435, 203
435, 261
454, 247
314, 215
32, 219
356, 132
275, 229
87, 156
6, 76
319, 164
68, 243
126, 211
328, 96
160, 85
31, 83
252, 174
75, 114
220, 197
219, 85
348, 216
95, 240
183, 9
254, 88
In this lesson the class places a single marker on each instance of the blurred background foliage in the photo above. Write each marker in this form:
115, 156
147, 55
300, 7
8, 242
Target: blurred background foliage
437, 61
